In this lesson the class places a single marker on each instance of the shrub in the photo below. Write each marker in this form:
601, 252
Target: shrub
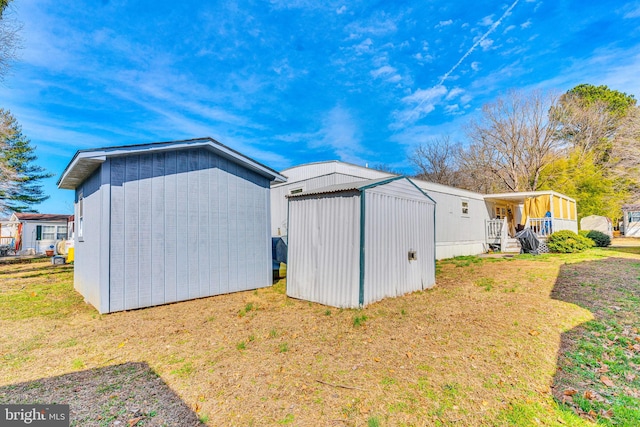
583, 233
566, 242
599, 238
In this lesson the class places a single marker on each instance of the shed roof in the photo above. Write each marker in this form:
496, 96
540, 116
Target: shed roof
357, 186
85, 162
631, 207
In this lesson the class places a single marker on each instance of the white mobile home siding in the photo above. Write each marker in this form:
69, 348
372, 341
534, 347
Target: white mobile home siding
456, 233
171, 226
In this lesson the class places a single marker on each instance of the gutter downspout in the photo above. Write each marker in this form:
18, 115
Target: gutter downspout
362, 252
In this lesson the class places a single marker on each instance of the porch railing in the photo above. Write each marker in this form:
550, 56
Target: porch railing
542, 227
494, 230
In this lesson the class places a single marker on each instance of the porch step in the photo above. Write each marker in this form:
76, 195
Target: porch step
511, 246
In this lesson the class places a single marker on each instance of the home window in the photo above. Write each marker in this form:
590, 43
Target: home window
465, 207
48, 232
61, 232
296, 191
634, 216
80, 215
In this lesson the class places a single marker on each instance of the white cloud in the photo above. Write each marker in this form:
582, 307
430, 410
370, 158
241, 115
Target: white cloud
340, 132
509, 28
444, 23
526, 24
486, 21
453, 93
475, 66
419, 104
383, 71
452, 109
342, 9
486, 43
423, 57
364, 46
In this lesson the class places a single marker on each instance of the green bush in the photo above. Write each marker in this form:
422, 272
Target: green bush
599, 238
583, 233
567, 242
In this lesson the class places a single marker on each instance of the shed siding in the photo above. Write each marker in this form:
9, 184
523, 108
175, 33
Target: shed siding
185, 224
324, 249
398, 218
87, 272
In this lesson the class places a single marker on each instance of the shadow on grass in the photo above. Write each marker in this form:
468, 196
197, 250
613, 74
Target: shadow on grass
131, 393
598, 361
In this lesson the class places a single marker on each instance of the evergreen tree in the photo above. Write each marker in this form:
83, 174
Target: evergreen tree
20, 177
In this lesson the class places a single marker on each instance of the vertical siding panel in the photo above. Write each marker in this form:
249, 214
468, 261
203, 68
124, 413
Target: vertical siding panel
223, 242
171, 227
183, 243
204, 230
144, 231
131, 232
231, 247
158, 234
118, 236
214, 213
192, 223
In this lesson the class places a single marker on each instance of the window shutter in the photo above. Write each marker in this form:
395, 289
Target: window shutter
38, 232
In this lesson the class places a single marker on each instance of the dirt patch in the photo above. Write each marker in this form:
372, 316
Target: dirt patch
469, 352
127, 395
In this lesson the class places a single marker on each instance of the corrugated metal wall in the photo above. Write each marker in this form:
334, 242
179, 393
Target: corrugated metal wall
398, 219
185, 224
324, 245
324, 249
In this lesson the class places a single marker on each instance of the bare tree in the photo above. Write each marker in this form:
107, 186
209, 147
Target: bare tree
10, 40
513, 141
436, 160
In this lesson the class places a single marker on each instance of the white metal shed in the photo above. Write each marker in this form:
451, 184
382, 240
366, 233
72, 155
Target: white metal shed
356, 243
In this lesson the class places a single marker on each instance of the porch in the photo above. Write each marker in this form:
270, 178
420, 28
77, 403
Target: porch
544, 212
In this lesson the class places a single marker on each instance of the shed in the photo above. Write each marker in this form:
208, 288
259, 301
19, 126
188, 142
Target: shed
597, 223
356, 243
165, 222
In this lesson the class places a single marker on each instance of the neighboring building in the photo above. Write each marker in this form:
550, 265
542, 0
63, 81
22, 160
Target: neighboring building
467, 223
631, 220
597, 223
164, 222
353, 244
38, 232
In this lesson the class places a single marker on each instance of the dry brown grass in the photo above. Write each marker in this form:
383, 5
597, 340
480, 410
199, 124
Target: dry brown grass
469, 352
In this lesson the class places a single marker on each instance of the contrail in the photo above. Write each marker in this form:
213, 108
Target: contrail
469, 52
477, 43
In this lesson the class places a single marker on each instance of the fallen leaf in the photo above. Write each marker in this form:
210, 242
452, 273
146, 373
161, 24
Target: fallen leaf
606, 381
196, 407
636, 348
606, 414
409, 354
630, 377
603, 369
533, 332
134, 421
569, 392
377, 359
588, 395
567, 399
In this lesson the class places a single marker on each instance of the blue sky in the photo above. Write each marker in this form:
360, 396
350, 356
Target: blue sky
291, 82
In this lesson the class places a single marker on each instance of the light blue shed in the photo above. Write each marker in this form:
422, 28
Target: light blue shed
165, 222
353, 244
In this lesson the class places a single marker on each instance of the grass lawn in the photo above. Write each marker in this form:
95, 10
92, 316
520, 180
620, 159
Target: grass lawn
547, 340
